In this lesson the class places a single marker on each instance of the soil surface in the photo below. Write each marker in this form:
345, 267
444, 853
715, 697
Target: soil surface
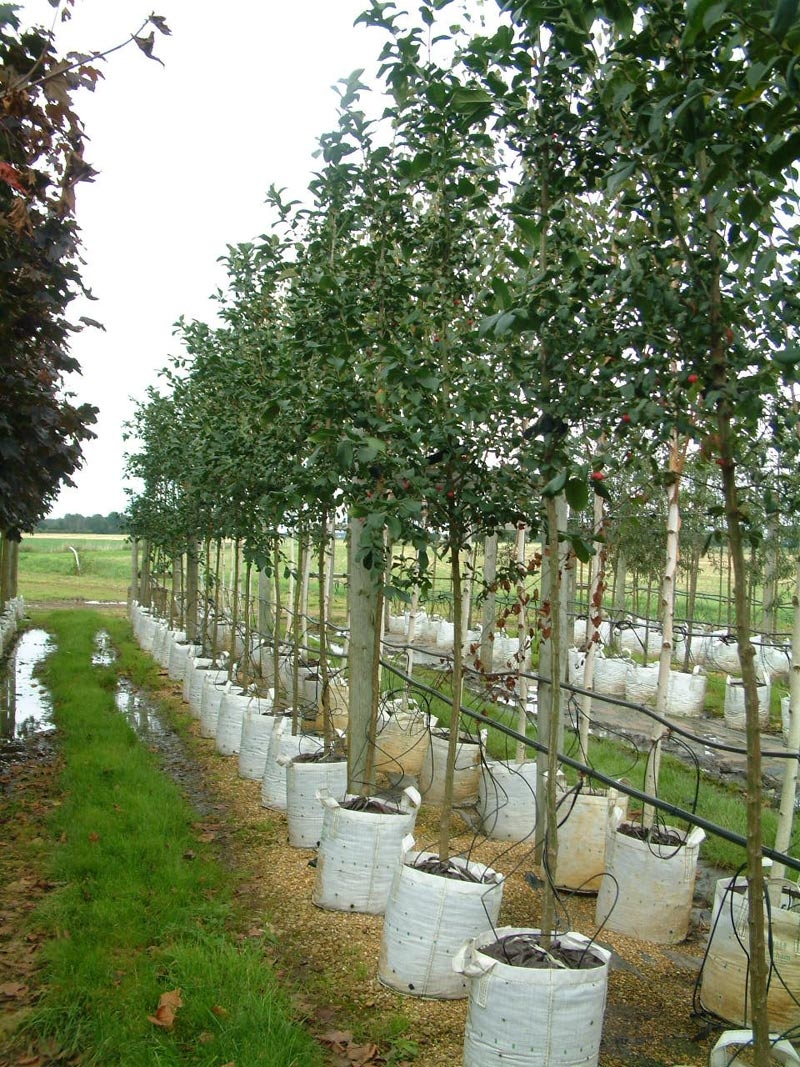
329, 959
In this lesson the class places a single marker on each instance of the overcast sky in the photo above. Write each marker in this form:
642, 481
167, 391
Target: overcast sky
185, 154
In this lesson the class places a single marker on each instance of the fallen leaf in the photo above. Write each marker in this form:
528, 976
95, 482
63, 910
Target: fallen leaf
94, 836
168, 1005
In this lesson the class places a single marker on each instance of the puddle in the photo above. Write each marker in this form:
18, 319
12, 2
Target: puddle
140, 714
25, 705
104, 653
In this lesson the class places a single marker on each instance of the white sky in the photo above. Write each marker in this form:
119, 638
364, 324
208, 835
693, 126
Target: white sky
186, 153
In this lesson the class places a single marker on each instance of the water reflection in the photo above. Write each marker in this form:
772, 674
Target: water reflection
26, 707
138, 711
104, 653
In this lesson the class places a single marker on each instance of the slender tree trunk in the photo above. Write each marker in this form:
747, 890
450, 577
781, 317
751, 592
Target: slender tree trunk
175, 606
769, 622
265, 620
691, 602
455, 718
327, 720
755, 871
217, 598
234, 605
133, 595
248, 570
364, 647
524, 662
13, 584
5, 570
305, 582
551, 712
488, 614
550, 670
677, 459
297, 630
620, 579
597, 574
192, 613
280, 700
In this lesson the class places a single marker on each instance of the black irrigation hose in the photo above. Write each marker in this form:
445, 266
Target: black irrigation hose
629, 790
623, 787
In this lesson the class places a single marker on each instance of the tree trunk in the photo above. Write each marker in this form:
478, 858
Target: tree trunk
455, 718
524, 654
677, 460
133, 595
755, 871
550, 671
192, 612
488, 612
265, 620
550, 712
769, 606
597, 577
364, 647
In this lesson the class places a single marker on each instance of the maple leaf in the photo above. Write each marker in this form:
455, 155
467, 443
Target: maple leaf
11, 176
160, 24
168, 1004
146, 45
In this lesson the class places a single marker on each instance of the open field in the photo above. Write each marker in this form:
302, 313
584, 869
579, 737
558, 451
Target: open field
72, 567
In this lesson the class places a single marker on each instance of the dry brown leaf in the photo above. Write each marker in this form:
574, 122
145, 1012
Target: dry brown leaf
220, 1011
168, 1005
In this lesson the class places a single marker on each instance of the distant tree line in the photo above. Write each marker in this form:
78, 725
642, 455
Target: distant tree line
113, 523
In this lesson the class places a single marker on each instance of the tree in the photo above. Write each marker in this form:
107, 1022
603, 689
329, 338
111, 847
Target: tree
41, 163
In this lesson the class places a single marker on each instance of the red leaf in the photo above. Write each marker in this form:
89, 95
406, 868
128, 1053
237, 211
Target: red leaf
11, 176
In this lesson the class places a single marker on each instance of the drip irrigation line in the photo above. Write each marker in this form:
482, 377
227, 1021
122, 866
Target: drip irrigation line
613, 783
606, 780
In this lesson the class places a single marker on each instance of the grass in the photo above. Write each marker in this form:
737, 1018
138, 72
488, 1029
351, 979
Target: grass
49, 571
144, 907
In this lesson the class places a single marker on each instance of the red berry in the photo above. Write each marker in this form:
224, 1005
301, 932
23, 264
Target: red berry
450, 494
626, 417
597, 476
439, 488
692, 379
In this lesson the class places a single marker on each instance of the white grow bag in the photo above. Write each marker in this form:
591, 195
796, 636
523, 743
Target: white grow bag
532, 1016
466, 773
232, 710
305, 780
735, 715
283, 743
257, 726
732, 1043
427, 920
507, 800
647, 889
724, 986
215, 685
583, 823
200, 668
402, 740
359, 853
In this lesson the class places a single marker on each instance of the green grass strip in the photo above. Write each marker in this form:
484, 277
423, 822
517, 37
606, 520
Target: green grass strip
143, 908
